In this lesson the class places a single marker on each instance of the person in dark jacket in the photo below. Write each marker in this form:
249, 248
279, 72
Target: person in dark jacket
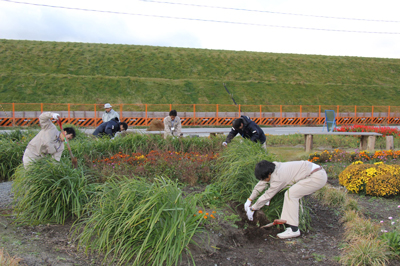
248, 129
110, 128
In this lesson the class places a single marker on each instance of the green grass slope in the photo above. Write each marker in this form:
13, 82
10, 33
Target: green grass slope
34, 71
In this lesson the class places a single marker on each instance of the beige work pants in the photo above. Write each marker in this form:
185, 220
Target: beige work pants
307, 186
28, 158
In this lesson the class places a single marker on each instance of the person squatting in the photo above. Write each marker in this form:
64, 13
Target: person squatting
302, 177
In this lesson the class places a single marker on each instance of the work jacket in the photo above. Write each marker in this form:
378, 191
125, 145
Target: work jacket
250, 131
285, 175
47, 141
107, 116
176, 124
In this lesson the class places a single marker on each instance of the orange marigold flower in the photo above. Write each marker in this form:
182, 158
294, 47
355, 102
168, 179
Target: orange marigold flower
212, 216
214, 212
200, 211
205, 217
206, 213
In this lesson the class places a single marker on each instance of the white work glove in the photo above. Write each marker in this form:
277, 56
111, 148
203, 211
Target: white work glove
267, 203
56, 116
250, 214
247, 205
224, 143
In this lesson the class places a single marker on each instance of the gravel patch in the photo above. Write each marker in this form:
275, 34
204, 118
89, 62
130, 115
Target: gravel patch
6, 196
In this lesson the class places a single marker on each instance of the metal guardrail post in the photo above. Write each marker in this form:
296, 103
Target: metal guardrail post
217, 116
146, 120
69, 114
194, 114
301, 122
95, 116
13, 116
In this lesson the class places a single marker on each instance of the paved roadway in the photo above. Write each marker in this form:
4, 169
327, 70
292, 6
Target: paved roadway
201, 132
267, 130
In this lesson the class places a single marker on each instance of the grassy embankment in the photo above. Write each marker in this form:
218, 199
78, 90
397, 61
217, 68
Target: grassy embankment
51, 72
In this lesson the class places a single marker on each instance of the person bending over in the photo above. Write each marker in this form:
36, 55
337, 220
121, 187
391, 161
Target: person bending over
248, 129
111, 128
48, 141
303, 178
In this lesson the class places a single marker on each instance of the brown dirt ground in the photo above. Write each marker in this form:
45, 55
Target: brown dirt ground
242, 243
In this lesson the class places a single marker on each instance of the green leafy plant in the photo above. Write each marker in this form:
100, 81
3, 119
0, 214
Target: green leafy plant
51, 191
140, 223
393, 240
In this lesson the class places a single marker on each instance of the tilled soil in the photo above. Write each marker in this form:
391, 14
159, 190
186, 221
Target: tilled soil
242, 243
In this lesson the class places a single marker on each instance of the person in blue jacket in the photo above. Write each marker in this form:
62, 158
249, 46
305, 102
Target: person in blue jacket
111, 128
248, 129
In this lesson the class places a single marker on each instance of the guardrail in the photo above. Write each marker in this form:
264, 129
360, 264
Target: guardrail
89, 115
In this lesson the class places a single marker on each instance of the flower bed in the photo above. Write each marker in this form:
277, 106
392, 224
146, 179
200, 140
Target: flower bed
191, 166
377, 179
385, 131
338, 155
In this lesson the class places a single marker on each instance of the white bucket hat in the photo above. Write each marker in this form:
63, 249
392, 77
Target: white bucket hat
107, 105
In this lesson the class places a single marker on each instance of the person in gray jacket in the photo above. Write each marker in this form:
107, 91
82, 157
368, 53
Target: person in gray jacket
302, 177
48, 141
109, 114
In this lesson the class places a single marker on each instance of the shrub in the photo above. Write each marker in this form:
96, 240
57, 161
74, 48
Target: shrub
371, 179
139, 223
51, 191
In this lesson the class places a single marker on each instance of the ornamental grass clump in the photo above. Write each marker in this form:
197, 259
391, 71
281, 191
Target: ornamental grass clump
12, 147
235, 168
136, 222
51, 191
7, 260
364, 251
371, 179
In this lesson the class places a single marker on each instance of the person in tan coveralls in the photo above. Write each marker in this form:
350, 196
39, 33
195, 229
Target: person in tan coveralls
48, 141
303, 178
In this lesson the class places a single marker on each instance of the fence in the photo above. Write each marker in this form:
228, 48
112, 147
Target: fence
89, 115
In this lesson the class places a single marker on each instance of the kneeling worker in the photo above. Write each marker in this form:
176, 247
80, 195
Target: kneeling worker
172, 125
303, 178
48, 141
248, 129
111, 128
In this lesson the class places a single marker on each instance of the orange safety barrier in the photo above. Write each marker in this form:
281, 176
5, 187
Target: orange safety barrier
89, 115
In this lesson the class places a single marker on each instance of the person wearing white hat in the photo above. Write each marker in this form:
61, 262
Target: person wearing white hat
108, 115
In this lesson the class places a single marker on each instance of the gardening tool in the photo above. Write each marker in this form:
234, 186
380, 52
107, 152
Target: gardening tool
73, 159
275, 222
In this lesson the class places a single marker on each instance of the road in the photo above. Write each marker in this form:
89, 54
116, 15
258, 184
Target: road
202, 132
